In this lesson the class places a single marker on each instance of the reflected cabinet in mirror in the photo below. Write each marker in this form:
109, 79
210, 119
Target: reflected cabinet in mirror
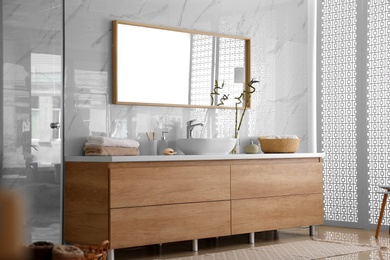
154, 65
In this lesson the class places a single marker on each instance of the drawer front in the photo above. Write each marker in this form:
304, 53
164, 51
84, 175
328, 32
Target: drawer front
253, 215
276, 179
169, 223
146, 186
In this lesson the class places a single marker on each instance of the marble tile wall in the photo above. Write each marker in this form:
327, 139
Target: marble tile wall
279, 57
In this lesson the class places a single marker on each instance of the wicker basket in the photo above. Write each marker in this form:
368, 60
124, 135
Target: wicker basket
98, 252
41, 250
287, 145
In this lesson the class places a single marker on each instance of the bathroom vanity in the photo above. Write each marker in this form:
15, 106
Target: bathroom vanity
143, 200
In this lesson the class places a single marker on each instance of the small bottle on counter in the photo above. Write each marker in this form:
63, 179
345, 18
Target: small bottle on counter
251, 148
163, 143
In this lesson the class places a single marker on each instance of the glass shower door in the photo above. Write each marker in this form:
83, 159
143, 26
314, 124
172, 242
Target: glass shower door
31, 101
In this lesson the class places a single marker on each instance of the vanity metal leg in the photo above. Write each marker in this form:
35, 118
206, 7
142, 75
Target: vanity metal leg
312, 231
110, 254
251, 238
195, 245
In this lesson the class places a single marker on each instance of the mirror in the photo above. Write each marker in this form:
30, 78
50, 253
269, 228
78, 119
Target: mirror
161, 66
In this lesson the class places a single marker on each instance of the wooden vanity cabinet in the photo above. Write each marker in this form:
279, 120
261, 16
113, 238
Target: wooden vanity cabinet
145, 203
137, 226
154, 203
276, 194
86, 203
141, 203
169, 184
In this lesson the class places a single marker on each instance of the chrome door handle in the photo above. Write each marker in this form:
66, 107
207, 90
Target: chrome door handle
55, 125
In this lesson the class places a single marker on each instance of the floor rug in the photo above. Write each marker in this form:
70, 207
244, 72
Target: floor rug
302, 250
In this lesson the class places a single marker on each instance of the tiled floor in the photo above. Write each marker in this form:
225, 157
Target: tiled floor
337, 234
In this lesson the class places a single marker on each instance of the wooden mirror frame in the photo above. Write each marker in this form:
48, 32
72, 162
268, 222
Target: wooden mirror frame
115, 54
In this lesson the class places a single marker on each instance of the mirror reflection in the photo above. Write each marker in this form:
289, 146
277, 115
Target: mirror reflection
155, 65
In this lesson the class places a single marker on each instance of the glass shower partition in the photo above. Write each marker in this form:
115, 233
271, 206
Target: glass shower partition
31, 146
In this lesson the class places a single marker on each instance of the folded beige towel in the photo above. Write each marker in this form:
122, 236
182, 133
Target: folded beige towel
112, 141
109, 150
67, 252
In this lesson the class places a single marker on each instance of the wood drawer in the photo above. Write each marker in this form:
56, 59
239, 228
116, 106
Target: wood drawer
146, 186
276, 179
252, 215
169, 223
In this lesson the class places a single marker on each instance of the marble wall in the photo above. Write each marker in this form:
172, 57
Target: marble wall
279, 57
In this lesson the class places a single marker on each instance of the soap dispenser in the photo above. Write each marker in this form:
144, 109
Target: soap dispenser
163, 143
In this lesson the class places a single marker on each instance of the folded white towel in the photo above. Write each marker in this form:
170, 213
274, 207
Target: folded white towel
111, 141
291, 137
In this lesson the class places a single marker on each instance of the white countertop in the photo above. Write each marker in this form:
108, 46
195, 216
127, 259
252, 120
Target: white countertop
159, 158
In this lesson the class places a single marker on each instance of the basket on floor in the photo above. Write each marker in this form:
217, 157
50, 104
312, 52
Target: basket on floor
41, 250
98, 252
67, 252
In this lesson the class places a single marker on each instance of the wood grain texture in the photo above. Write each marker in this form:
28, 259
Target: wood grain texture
275, 161
252, 215
121, 165
193, 199
161, 224
86, 203
177, 29
114, 63
276, 179
169, 185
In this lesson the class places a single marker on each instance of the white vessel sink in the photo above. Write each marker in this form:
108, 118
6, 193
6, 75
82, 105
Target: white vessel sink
204, 146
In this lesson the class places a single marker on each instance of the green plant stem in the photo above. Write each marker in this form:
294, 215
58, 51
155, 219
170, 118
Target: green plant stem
235, 125
247, 100
246, 96
216, 93
243, 113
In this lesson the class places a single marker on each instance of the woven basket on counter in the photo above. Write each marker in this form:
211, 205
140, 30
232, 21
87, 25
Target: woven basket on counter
283, 145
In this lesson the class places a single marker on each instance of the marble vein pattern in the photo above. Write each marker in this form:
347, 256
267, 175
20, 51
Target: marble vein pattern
279, 60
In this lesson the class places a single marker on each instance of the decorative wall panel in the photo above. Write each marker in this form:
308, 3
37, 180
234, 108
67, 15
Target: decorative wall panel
378, 104
338, 86
202, 51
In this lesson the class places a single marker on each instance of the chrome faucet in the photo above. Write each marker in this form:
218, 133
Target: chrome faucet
190, 127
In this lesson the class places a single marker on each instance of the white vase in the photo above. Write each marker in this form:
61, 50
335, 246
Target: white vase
236, 149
